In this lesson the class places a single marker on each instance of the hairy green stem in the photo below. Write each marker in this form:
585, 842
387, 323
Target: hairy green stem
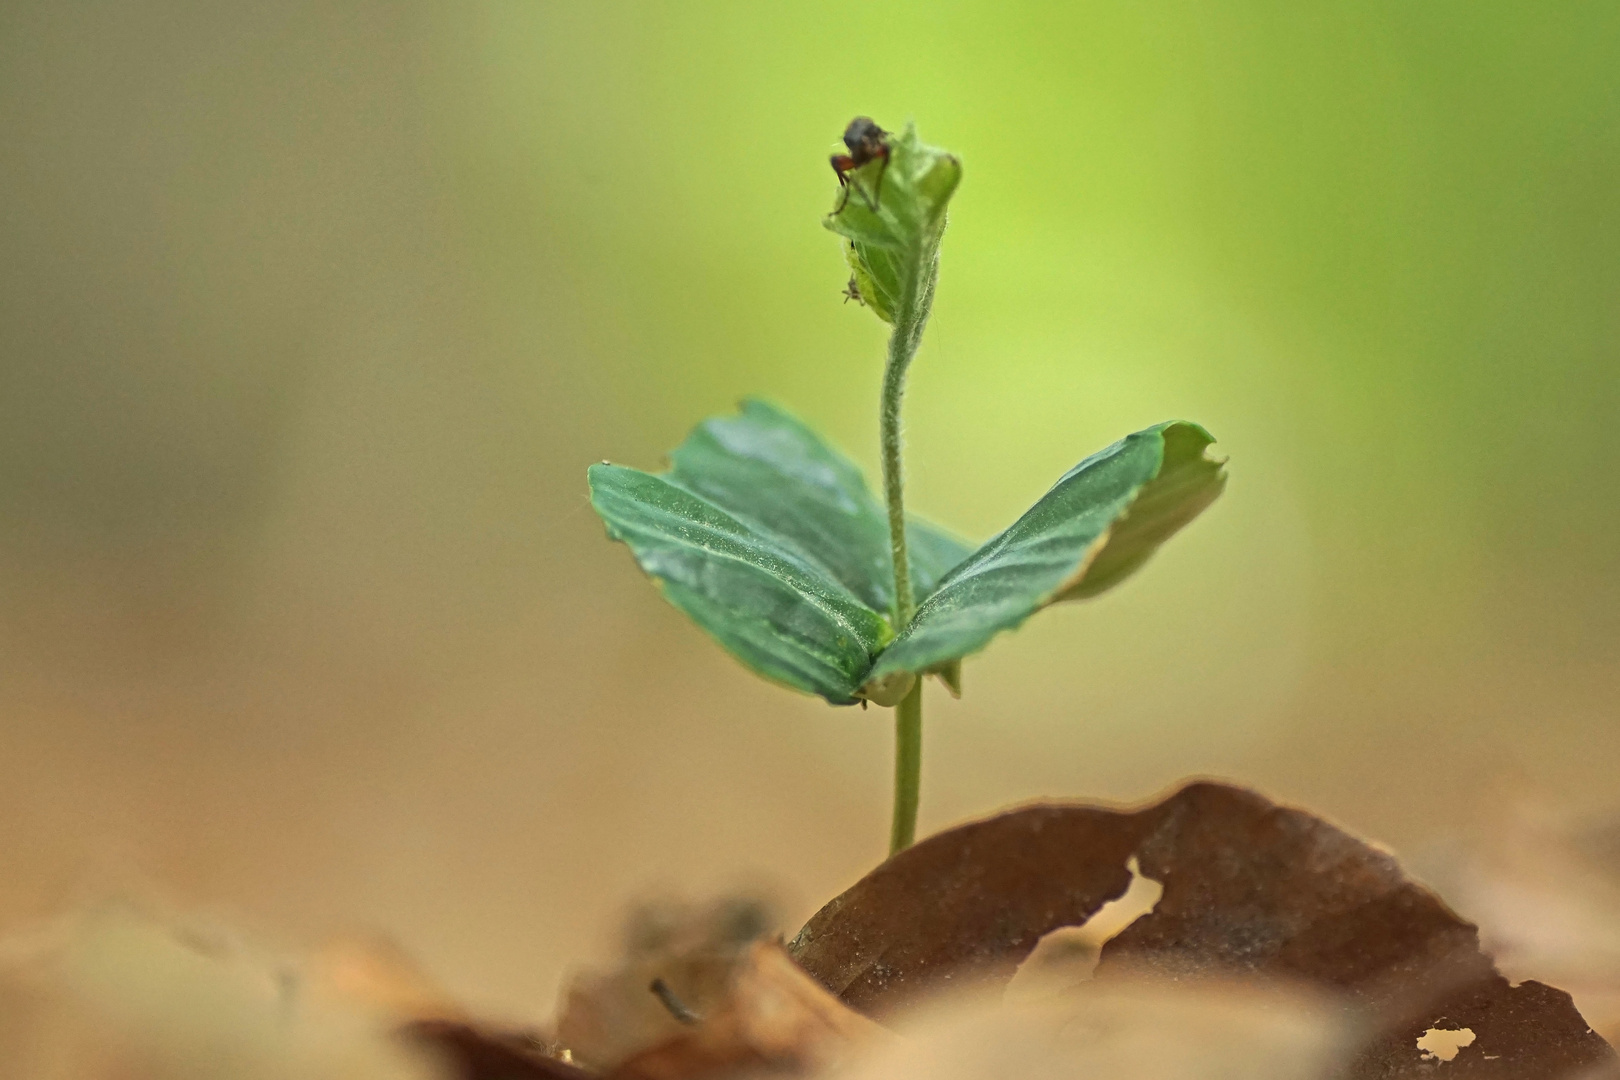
894, 481
907, 768
912, 314
908, 714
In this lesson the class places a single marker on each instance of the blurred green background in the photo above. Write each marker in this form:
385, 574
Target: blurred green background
313, 315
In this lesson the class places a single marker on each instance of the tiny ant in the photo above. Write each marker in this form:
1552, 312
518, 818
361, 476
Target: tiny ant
866, 142
852, 291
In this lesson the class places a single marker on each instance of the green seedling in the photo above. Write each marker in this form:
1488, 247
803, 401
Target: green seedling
770, 540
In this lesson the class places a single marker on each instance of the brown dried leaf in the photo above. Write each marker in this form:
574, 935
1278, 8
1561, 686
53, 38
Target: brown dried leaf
474, 1053
377, 973
1250, 889
1120, 1029
121, 992
1544, 887
775, 1018
608, 1016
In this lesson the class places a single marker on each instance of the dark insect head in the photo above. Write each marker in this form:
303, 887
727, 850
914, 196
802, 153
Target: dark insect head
866, 142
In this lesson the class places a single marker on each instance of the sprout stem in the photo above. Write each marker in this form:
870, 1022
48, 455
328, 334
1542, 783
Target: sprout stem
912, 313
907, 768
901, 348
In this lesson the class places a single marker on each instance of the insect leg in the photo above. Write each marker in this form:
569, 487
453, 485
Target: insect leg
877, 189
841, 165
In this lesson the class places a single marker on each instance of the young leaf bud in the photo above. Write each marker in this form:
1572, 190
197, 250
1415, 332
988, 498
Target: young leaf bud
891, 214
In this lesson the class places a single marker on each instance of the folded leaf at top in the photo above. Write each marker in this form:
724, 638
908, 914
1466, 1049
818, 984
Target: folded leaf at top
1092, 530
769, 540
892, 218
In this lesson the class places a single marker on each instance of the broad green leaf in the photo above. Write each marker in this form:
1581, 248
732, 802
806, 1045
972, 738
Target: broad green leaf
770, 540
766, 467
1187, 482
931, 553
1096, 526
774, 609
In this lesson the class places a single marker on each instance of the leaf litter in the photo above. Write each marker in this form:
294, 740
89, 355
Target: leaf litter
1252, 890
1252, 940
1544, 886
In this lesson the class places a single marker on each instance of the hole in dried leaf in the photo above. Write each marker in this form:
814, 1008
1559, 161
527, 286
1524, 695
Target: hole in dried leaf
1070, 954
1443, 1044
